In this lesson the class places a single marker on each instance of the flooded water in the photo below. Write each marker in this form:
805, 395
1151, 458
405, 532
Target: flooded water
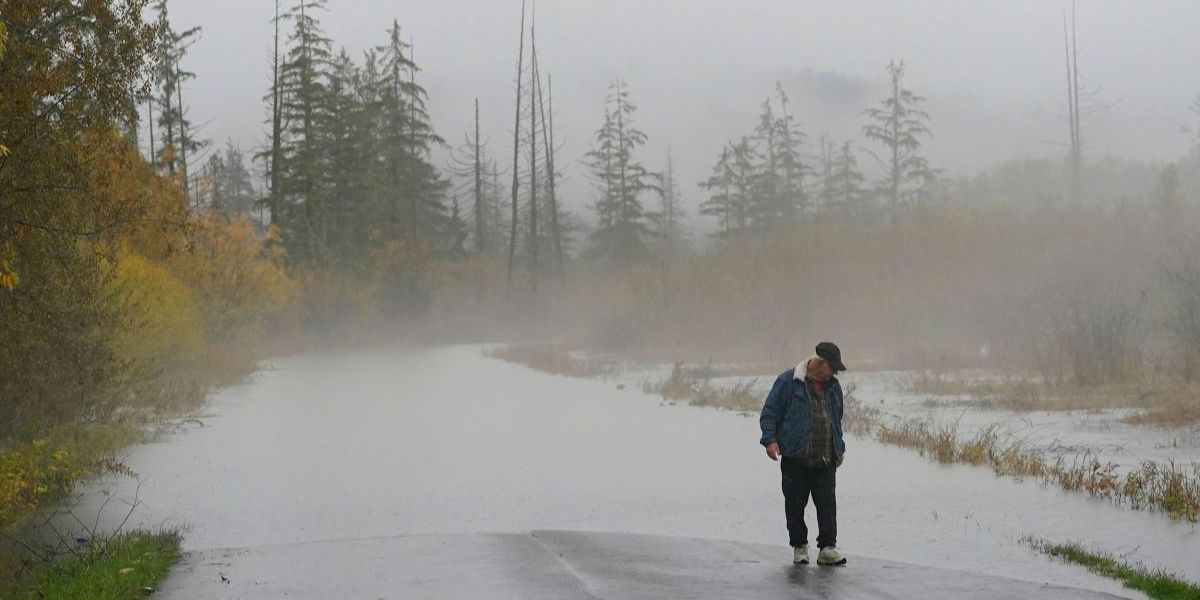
1070, 433
445, 440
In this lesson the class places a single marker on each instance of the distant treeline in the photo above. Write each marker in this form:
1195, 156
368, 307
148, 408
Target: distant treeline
136, 261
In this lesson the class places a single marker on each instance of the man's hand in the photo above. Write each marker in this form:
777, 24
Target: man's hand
773, 450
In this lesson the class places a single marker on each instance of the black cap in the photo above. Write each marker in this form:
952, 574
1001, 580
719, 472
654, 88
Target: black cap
831, 354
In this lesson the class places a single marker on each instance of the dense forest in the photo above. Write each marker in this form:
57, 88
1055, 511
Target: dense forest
142, 264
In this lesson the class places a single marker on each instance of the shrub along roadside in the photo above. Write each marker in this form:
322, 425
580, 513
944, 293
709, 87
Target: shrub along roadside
36, 473
122, 567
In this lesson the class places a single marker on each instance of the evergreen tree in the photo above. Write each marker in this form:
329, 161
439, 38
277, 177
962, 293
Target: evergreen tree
767, 205
178, 136
272, 155
413, 190
456, 232
789, 159
848, 193
227, 184
824, 192
720, 202
898, 125
621, 179
668, 221
346, 131
303, 78
732, 189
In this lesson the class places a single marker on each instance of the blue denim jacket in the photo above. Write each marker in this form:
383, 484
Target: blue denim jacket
785, 415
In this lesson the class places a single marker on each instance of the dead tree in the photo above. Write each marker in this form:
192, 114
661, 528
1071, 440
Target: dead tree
533, 158
548, 135
512, 240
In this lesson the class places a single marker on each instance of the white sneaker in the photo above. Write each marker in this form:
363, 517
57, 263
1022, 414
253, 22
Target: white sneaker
829, 555
800, 555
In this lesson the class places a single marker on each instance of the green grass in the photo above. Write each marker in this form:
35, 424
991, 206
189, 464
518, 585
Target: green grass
1157, 584
128, 565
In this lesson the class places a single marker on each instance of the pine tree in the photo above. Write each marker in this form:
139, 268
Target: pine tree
720, 203
732, 189
825, 156
227, 184
303, 77
457, 232
178, 135
847, 183
789, 159
668, 221
414, 190
767, 206
347, 132
272, 156
622, 180
898, 125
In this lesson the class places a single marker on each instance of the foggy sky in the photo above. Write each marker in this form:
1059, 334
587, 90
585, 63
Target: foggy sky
992, 71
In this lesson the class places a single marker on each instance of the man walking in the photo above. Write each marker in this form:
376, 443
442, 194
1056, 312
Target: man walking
801, 422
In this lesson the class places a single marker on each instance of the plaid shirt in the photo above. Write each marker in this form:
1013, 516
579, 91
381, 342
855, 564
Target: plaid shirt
820, 441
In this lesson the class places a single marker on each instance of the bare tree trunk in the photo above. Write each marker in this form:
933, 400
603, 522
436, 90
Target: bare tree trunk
183, 159
414, 194
548, 135
276, 123
480, 234
150, 120
512, 238
534, 83
1076, 154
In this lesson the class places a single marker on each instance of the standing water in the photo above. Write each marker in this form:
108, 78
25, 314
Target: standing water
340, 446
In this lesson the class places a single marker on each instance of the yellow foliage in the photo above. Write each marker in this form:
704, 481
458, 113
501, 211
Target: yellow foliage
8, 275
32, 474
168, 324
3, 39
238, 277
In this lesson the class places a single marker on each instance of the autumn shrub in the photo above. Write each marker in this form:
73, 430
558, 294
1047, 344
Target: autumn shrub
32, 474
238, 277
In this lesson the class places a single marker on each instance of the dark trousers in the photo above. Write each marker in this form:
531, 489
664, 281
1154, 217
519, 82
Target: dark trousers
798, 483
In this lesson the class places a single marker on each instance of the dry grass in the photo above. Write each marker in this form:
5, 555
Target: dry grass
1156, 486
555, 359
1025, 394
695, 385
939, 442
858, 417
1179, 408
